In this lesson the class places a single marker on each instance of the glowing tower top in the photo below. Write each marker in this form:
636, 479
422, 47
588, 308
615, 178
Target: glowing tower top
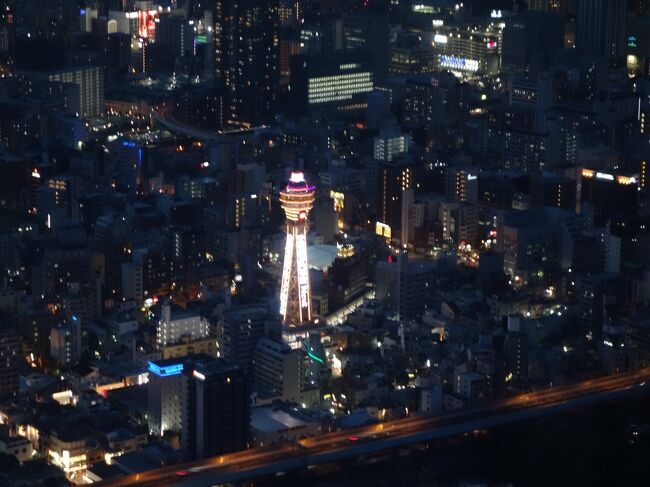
295, 294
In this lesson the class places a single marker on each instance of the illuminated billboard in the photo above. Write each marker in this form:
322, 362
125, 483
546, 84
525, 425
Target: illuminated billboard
383, 230
620, 179
458, 63
147, 24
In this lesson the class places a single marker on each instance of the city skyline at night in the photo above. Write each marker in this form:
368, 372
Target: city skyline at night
324, 242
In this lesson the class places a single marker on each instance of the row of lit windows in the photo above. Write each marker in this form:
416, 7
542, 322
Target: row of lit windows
366, 75
335, 96
360, 85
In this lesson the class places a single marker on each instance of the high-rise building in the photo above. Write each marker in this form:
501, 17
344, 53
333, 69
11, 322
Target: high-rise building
527, 151
461, 184
409, 54
339, 80
368, 31
595, 294
560, 6
431, 99
404, 288
295, 295
459, 223
87, 98
9, 362
639, 7
65, 343
164, 391
609, 194
555, 191
600, 27
239, 328
390, 143
467, 51
176, 33
528, 34
215, 407
529, 241
279, 370
247, 59
408, 218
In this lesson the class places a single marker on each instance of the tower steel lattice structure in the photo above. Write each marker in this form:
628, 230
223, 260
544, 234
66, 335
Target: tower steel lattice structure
295, 294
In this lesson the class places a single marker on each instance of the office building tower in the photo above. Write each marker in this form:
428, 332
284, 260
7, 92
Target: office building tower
215, 407
238, 330
637, 341
516, 351
295, 295
459, 223
609, 194
612, 350
247, 59
65, 343
559, 6
87, 97
347, 276
176, 33
461, 184
600, 27
10, 358
528, 151
431, 100
392, 179
463, 51
639, 7
490, 272
404, 287
390, 143
156, 266
597, 293
368, 31
409, 54
408, 218
164, 391
627, 242
528, 34
338, 81
638, 55
529, 240
279, 370
555, 191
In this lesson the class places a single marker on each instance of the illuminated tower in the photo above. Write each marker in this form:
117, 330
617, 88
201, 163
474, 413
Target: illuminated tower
295, 296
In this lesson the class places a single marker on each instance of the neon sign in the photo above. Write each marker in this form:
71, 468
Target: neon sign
165, 370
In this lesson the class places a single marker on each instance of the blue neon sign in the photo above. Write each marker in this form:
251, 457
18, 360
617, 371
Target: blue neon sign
166, 370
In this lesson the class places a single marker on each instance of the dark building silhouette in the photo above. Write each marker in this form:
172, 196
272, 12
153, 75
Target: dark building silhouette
215, 409
10, 359
600, 27
247, 59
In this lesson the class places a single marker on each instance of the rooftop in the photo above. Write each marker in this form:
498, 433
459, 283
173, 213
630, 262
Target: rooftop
276, 417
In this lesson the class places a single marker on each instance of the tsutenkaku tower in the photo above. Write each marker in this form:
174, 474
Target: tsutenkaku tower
295, 295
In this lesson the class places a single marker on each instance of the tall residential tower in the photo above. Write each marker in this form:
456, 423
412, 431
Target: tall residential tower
295, 296
247, 59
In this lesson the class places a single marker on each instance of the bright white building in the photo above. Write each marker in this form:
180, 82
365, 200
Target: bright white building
173, 326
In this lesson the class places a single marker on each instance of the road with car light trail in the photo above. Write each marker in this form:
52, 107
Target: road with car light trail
337, 446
